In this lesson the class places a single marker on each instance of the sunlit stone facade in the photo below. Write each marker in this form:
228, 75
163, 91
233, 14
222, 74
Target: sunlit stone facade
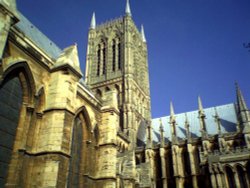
60, 130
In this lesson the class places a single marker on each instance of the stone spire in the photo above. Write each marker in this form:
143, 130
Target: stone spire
173, 123
127, 10
202, 117
187, 125
93, 22
171, 110
143, 34
217, 120
161, 133
243, 112
240, 99
200, 104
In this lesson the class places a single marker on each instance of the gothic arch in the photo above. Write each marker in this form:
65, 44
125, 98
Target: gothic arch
101, 60
83, 146
17, 89
141, 133
248, 171
84, 111
242, 175
27, 80
229, 176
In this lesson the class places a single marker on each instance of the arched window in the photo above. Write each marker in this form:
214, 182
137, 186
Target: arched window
116, 54
119, 55
10, 101
141, 133
101, 58
248, 171
230, 177
16, 93
76, 150
98, 93
242, 177
83, 153
98, 60
104, 59
113, 55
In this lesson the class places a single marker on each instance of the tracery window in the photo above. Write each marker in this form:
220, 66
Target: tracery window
101, 58
104, 59
230, 177
76, 150
98, 60
113, 55
116, 54
119, 55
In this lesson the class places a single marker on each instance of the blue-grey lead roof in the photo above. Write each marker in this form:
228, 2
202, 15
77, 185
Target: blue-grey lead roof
227, 115
41, 40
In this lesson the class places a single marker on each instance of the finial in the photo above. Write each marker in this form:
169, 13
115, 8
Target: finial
161, 126
127, 10
200, 104
187, 127
217, 120
161, 133
143, 34
93, 22
186, 121
171, 109
202, 117
240, 99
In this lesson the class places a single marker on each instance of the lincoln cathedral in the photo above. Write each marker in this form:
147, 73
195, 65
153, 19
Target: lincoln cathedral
59, 128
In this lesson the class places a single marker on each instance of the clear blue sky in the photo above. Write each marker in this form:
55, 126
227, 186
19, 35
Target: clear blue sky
195, 46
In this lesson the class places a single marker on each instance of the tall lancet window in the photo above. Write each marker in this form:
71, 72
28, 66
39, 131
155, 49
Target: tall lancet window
113, 55
98, 59
104, 59
101, 58
119, 55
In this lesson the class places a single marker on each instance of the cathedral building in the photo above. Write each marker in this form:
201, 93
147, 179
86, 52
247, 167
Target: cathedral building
60, 129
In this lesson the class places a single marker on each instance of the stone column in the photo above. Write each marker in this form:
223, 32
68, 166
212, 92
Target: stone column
191, 154
150, 159
219, 180
246, 178
236, 179
163, 168
194, 181
213, 180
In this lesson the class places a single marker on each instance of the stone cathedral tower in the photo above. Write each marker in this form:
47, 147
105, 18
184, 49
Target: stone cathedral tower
117, 63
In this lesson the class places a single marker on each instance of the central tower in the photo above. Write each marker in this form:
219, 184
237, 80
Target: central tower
117, 61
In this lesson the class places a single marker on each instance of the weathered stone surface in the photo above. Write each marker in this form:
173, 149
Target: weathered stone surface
57, 131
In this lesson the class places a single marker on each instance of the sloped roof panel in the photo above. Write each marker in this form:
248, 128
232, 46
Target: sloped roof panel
226, 113
36, 36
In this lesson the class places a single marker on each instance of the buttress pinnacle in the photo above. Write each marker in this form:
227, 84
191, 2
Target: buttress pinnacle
240, 99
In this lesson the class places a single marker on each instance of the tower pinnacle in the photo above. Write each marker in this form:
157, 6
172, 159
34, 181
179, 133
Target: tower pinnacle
127, 10
143, 34
240, 99
93, 22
